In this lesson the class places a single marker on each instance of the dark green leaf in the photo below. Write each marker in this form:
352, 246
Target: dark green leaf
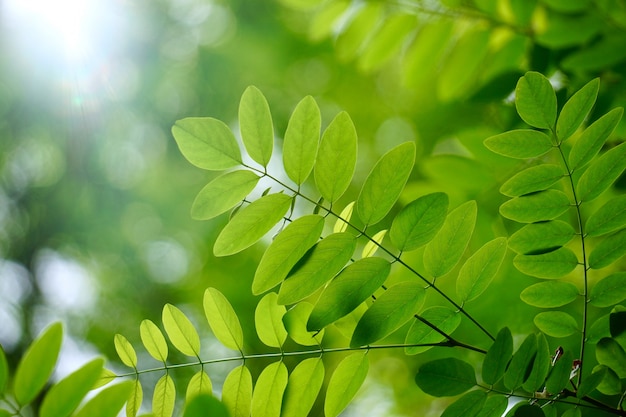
478, 271
576, 109
419, 221
303, 387
611, 354
268, 391
608, 218
609, 291
181, 332
345, 382
443, 318
385, 182
530, 180
223, 193
390, 311
550, 294
519, 367
540, 367
301, 139
520, 144
445, 377
295, 321
205, 405
591, 382
535, 100
541, 237
199, 384
268, 320
556, 323
153, 340
164, 397
108, 402
525, 410
591, 140
222, 319
494, 406
549, 265
601, 173
467, 406
255, 124
617, 323
498, 357
608, 250
611, 384
355, 284
599, 55
237, 392
540, 206
560, 375
207, 143
251, 224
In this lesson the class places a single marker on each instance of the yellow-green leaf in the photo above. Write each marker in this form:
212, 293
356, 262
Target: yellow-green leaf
535, 100
520, 144
125, 351
419, 221
609, 291
255, 124
237, 392
108, 402
372, 246
556, 323
181, 332
478, 271
268, 392
303, 387
199, 384
345, 382
134, 401
268, 320
301, 139
223, 193
164, 397
153, 340
295, 321
222, 319
341, 225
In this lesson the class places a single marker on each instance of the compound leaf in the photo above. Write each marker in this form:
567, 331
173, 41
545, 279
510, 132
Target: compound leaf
541, 237
268, 391
520, 144
153, 340
108, 402
601, 173
608, 250
533, 179
517, 371
591, 140
268, 319
443, 318
125, 351
608, 218
498, 357
303, 387
556, 323
164, 397
181, 332
301, 139
222, 319
540, 206
576, 109
445, 377
199, 384
255, 124
535, 100
223, 193
345, 382
419, 221
478, 271
550, 294
237, 392
549, 265
609, 291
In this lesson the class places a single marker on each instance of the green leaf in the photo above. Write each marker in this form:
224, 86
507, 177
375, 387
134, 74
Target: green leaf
370, 248
537, 238
324, 18
285, 251
107, 376
386, 42
560, 375
237, 392
541, 366
608, 218
608, 250
207, 143
320, 264
617, 323
295, 321
611, 384
519, 367
419, 221
469, 405
268, 320
164, 397
525, 410
445, 377
445, 250
336, 158
181, 332
540, 206
495, 406
66, 395
556, 323
498, 357
255, 124
125, 351
599, 55
384, 183
134, 401
251, 224
549, 265
530, 180
268, 391
341, 225
609, 291
303, 387
591, 382
591, 140
345, 382
478, 271
199, 384
535, 100
550, 294
205, 405
577, 109
301, 139
357, 30
391, 310
4, 371
223, 193
611, 354
601, 173
108, 402
520, 144
153, 340
37, 364
443, 318
222, 319
354, 284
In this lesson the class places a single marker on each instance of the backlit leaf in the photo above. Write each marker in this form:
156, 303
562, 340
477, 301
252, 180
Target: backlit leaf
287, 248
336, 158
303, 387
445, 250
608, 250
591, 382
386, 41
541, 237
609, 291
549, 265
611, 354
591, 140
301, 139
106, 376
478, 271
295, 321
134, 401
164, 397
467, 406
419, 221
443, 318
345, 382
207, 143
391, 310
268, 391
251, 223
535, 100
520, 144
222, 319
153, 340
560, 375
205, 405
372, 246
268, 320
385, 182
530, 180
540, 206
199, 384
518, 369
255, 124
350, 40
354, 284
576, 109
608, 218
108, 402
237, 392
445, 377
601, 173
223, 193
341, 225
498, 357
181, 332
319, 265
556, 323
541, 366
550, 294
125, 351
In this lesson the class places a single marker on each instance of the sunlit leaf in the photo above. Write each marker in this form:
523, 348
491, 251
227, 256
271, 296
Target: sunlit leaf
609, 291
125, 351
223, 193
540, 206
222, 319
106, 376
611, 353
443, 318
181, 332
591, 140
608, 250
549, 265
37, 364
354, 284
268, 391
556, 323
301, 139
345, 382
207, 143
445, 377
520, 144
341, 225
325, 17
295, 321
285, 251
419, 221
494, 406
550, 294
205, 405
108, 402
445, 250
541, 237
134, 401
251, 224
357, 30
255, 124
153, 340
268, 320
560, 375
517, 370
336, 158
372, 246
391, 310
535, 100
164, 397
387, 41
319, 265
199, 384
498, 357
530, 180
478, 271
601, 173
467, 406
540, 367
385, 182
608, 218
576, 109
303, 388
237, 392
591, 382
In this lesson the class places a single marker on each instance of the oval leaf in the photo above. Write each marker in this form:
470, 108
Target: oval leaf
268, 392
268, 320
591, 140
301, 139
237, 392
520, 144
540, 366
223, 193
419, 221
560, 375
468, 405
135, 400
495, 406
164, 397
525, 410
205, 405
445, 377
443, 318
591, 382
478, 271
576, 109
153, 340
345, 383
608, 250
537, 238
341, 225
199, 384
295, 321
611, 384
125, 351
498, 357
601, 173
540, 206
610, 353
535, 100
608, 218
549, 265
556, 323
222, 319
609, 291
303, 387
255, 124
373, 244
181, 332
108, 402
533, 179
550, 294
518, 369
